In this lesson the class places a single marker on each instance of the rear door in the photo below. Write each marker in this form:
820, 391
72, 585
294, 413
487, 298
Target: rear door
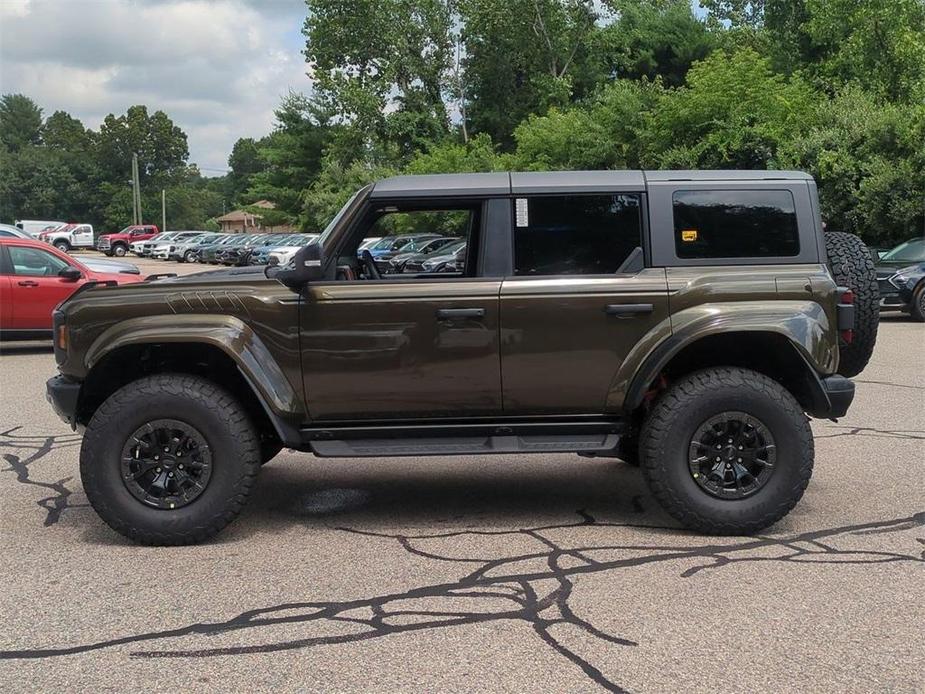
578, 300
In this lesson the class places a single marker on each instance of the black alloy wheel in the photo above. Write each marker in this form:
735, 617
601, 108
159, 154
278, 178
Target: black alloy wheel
732, 455
166, 464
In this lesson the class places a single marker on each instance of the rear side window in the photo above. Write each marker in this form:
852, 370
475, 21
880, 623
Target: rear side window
735, 224
575, 235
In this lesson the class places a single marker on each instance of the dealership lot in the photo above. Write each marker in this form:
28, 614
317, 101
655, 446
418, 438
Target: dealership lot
465, 573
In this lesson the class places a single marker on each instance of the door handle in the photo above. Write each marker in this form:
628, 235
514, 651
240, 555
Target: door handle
628, 309
28, 283
458, 313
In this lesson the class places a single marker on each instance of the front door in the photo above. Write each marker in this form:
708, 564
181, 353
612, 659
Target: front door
578, 301
35, 286
403, 346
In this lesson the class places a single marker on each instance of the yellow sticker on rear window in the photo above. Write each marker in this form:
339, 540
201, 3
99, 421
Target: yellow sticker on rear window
689, 235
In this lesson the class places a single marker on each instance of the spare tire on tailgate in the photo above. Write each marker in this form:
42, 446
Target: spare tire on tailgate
851, 266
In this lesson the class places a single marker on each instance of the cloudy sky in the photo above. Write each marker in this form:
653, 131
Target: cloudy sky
217, 67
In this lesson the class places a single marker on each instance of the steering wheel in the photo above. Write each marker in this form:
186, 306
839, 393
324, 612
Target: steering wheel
370, 265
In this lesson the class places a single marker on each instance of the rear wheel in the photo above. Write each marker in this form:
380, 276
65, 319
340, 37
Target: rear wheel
852, 267
119, 250
727, 451
169, 460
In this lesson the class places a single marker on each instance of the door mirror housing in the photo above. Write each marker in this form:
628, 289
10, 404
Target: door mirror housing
71, 274
307, 265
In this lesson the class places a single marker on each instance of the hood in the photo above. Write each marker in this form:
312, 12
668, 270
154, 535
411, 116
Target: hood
248, 272
888, 269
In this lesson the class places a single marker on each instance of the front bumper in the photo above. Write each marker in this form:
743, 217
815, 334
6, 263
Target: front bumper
63, 394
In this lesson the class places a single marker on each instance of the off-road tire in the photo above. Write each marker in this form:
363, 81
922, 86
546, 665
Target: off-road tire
917, 310
119, 250
62, 245
852, 267
665, 442
201, 404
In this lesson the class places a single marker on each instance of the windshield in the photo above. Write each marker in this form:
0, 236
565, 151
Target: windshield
323, 239
911, 251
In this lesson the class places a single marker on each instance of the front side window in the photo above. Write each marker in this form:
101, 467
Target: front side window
575, 234
735, 224
35, 262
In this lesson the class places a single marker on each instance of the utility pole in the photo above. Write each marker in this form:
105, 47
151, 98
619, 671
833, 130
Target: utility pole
163, 210
136, 190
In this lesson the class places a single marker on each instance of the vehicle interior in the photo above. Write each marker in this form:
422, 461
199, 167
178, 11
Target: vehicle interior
399, 225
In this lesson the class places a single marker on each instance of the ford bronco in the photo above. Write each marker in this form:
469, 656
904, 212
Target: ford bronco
688, 322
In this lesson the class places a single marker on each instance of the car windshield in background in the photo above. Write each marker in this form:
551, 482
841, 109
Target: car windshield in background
911, 251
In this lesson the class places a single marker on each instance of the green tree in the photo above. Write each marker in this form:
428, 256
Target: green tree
160, 144
734, 112
382, 65
291, 155
244, 161
660, 39
879, 45
868, 159
20, 121
64, 132
523, 57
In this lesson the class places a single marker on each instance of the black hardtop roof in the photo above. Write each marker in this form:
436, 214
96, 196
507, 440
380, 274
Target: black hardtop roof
527, 182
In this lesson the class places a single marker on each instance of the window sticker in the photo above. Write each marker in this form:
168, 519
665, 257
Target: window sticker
521, 215
689, 235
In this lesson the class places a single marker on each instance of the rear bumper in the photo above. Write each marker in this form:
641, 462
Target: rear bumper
63, 393
839, 392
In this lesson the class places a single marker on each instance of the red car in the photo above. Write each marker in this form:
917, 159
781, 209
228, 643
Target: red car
34, 278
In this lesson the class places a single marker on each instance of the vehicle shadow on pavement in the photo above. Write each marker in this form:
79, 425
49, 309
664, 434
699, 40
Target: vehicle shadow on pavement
471, 493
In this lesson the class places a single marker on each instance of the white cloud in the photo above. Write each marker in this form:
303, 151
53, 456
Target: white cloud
218, 69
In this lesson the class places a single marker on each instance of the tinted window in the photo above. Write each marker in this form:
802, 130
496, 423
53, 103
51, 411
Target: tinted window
735, 224
574, 235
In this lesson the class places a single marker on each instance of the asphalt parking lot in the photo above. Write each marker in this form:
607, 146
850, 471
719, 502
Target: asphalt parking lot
522, 573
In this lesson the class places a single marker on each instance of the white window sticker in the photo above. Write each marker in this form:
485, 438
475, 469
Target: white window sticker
520, 212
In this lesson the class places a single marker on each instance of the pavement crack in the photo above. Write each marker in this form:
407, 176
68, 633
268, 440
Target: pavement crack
532, 588
36, 448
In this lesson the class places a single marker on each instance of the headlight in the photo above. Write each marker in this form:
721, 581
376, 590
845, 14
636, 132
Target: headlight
906, 275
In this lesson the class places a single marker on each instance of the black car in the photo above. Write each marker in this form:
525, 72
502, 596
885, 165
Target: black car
239, 253
401, 245
206, 252
901, 279
397, 262
438, 261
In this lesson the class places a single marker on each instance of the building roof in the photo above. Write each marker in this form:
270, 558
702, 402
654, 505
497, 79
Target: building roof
241, 215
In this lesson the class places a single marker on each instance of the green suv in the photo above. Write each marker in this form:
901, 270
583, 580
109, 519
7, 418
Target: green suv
683, 321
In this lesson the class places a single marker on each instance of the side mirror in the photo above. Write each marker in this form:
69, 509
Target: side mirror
71, 274
307, 265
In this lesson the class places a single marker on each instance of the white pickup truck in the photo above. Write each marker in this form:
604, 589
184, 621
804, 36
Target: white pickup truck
68, 236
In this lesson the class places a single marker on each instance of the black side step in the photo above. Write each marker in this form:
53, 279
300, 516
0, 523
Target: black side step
464, 445
463, 438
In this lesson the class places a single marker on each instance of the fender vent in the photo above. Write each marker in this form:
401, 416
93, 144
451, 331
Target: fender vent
207, 302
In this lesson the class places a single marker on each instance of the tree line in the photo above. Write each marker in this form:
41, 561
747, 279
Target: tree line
832, 87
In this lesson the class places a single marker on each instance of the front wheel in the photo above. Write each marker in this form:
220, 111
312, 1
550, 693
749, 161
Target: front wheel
189, 257
119, 250
727, 451
917, 310
62, 246
169, 459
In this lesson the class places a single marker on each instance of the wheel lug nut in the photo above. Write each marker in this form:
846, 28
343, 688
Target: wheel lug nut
157, 457
730, 441
718, 446
738, 460
170, 474
717, 459
166, 448
157, 470
180, 466
740, 448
